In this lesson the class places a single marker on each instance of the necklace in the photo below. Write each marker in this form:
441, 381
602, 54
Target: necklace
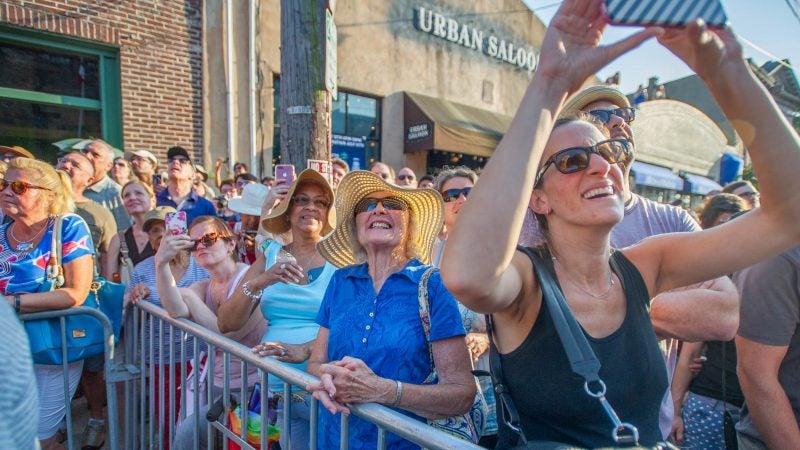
289, 255
611, 282
26, 246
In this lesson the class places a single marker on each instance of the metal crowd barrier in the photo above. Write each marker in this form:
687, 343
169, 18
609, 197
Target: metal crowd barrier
140, 413
111, 371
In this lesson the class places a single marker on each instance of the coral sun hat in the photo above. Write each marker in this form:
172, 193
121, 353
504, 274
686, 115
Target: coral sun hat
425, 205
276, 223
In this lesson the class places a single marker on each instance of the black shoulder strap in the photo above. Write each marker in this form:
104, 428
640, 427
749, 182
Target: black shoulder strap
629, 276
580, 354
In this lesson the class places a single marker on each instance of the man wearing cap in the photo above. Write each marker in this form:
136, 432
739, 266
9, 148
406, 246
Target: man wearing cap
102, 228
104, 190
144, 165
706, 312
180, 193
200, 186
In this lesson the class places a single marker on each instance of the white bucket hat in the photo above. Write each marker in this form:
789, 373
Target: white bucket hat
250, 202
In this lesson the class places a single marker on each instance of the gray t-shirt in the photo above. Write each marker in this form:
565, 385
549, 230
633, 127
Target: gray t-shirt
19, 399
643, 218
109, 194
770, 315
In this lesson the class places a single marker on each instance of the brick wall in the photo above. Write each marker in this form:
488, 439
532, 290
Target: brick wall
160, 45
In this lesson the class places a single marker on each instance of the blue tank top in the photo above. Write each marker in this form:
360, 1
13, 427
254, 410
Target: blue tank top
291, 309
550, 398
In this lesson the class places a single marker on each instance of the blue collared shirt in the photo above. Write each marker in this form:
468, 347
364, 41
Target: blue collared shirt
194, 205
384, 331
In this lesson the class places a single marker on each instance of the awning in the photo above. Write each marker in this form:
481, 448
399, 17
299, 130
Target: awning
656, 176
697, 184
435, 124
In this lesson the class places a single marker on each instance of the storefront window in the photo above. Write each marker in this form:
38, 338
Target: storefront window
355, 128
55, 88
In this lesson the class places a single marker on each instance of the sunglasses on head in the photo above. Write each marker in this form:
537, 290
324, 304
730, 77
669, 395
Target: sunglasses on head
576, 159
451, 195
626, 114
207, 240
19, 187
304, 200
389, 203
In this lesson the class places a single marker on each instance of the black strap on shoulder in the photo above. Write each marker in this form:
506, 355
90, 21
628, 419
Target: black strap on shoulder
630, 277
581, 357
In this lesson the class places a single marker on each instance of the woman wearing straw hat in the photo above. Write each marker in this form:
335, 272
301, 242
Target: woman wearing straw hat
288, 281
371, 345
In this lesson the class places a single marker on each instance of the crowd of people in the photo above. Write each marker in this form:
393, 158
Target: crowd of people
392, 289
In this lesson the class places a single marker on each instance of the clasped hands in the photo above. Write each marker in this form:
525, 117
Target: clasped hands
349, 380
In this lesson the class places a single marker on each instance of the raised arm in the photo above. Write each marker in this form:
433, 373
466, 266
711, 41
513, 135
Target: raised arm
479, 271
681, 260
165, 282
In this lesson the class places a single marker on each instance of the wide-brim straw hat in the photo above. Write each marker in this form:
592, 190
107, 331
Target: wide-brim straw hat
591, 94
425, 205
15, 150
276, 222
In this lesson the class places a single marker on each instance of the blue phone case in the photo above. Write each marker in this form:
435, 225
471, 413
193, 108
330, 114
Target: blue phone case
669, 13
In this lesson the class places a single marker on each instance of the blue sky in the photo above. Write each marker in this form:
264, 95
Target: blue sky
768, 24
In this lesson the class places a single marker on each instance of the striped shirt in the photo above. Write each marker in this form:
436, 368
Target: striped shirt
145, 272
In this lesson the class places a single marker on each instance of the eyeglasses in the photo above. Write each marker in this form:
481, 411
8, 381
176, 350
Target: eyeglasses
304, 200
749, 194
19, 187
120, 164
207, 240
626, 114
575, 159
452, 195
181, 160
389, 203
404, 177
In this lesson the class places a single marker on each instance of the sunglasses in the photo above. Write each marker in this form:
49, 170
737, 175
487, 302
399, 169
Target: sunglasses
182, 161
389, 203
120, 164
304, 200
576, 159
749, 194
19, 187
452, 195
626, 114
207, 240
405, 177
8, 157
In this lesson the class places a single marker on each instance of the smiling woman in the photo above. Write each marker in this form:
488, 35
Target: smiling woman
372, 345
287, 281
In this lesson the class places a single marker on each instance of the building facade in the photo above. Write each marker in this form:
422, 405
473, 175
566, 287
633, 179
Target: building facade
129, 72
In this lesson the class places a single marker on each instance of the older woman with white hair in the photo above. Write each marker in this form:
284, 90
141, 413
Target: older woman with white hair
372, 344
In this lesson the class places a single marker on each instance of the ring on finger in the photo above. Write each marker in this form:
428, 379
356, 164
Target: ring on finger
283, 266
283, 352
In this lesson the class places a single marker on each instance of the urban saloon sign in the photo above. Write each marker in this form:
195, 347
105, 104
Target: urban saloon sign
472, 38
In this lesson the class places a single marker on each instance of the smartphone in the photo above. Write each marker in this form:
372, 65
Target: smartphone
667, 13
156, 180
175, 223
285, 172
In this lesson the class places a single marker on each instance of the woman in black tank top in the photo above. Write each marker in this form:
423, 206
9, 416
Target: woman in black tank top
572, 174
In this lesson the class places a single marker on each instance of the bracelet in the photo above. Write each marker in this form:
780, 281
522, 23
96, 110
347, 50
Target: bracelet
253, 296
17, 303
398, 393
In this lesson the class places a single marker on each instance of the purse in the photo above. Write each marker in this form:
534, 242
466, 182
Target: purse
581, 357
83, 334
466, 426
